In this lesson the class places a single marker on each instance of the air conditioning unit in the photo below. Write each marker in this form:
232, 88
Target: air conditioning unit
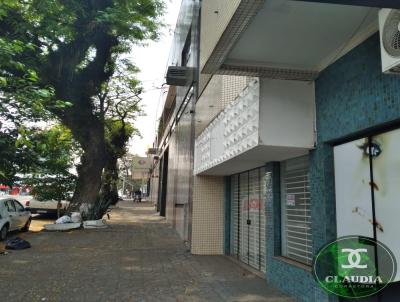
389, 26
152, 151
179, 75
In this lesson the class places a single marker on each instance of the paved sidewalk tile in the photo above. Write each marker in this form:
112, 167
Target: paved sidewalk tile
138, 258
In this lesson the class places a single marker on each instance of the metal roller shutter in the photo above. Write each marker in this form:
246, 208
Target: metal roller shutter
296, 211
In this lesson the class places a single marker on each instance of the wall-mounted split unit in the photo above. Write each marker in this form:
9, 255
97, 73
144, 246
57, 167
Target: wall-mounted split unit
389, 25
179, 75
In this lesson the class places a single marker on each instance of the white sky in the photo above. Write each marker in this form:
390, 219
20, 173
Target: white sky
152, 60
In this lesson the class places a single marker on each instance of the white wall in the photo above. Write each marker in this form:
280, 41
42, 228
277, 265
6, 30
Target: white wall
287, 113
215, 17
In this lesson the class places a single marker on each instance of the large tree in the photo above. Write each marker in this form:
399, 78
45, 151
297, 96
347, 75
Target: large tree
72, 47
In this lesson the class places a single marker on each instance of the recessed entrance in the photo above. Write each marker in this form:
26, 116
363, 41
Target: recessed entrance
248, 218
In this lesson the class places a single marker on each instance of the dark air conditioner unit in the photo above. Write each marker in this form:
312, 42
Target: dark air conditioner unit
152, 151
179, 75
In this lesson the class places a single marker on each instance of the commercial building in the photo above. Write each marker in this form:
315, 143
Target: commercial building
296, 136
172, 173
141, 173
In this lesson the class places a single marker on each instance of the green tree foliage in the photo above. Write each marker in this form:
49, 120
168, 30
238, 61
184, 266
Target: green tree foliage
68, 50
8, 158
21, 98
47, 158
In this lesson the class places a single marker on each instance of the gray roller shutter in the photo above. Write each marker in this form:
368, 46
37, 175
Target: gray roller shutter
296, 211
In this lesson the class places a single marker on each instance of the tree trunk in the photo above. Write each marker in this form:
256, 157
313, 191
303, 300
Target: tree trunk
89, 182
109, 191
93, 160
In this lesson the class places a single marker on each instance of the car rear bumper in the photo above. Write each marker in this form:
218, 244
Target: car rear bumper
43, 211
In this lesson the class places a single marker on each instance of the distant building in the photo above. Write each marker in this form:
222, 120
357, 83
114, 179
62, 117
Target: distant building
141, 172
172, 174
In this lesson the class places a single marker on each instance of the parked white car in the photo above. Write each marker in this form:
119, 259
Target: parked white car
46, 206
39, 206
13, 217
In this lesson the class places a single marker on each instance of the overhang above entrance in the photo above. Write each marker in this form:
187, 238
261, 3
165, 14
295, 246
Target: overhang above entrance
271, 120
289, 39
369, 3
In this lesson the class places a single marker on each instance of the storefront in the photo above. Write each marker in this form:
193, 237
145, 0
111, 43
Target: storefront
248, 218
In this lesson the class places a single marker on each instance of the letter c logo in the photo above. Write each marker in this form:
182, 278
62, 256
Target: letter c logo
354, 258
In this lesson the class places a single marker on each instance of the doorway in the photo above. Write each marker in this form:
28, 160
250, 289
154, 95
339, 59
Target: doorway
248, 218
163, 184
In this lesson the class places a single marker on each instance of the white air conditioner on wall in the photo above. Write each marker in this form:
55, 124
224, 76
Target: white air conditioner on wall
389, 26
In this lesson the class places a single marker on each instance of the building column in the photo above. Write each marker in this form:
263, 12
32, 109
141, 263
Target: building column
208, 215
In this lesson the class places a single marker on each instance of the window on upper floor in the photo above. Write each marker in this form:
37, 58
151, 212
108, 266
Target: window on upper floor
187, 49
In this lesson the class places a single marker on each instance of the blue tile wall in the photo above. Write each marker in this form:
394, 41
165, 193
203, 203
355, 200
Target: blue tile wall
227, 215
352, 95
291, 279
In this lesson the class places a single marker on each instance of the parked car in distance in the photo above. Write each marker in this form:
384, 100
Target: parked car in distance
13, 217
46, 206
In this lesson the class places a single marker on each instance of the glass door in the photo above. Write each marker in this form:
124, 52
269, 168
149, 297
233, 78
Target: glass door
248, 218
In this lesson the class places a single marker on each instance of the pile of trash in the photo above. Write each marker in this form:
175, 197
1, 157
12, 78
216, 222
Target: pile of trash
17, 244
74, 221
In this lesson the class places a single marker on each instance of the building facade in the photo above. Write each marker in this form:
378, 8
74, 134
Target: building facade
141, 173
172, 174
284, 122
293, 137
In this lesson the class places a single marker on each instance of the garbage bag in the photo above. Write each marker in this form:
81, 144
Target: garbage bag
63, 219
17, 244
76, 217
95, 224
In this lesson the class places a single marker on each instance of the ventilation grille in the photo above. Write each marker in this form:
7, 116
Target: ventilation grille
269, 72
391, 34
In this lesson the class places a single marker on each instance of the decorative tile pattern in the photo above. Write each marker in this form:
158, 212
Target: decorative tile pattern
232, 86
235, 128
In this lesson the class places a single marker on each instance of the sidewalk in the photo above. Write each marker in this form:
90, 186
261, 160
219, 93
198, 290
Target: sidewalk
139, 258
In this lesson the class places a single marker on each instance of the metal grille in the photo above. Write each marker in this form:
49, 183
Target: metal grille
391, 34
268, 72
296, 212
248, 218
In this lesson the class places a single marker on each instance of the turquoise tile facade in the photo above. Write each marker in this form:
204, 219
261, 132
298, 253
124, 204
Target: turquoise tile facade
294, 280
227, 216
353, 96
